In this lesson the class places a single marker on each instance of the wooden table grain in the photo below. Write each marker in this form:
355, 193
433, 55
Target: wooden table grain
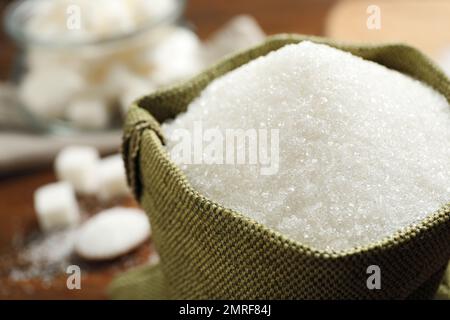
17, 217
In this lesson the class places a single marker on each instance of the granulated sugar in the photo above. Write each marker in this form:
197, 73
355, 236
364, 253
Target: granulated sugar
46, 256
363, 150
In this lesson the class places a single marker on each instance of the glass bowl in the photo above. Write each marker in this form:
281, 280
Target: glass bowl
73, 80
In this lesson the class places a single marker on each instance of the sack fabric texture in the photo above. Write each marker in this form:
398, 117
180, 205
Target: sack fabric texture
208, 251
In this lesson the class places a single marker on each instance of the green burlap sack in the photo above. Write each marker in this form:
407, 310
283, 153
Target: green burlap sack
211, 252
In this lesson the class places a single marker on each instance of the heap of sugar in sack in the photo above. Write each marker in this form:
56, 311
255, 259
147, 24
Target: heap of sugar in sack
363, 150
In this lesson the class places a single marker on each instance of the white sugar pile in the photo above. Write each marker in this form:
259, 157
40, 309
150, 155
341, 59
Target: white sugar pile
46, 256
363, 150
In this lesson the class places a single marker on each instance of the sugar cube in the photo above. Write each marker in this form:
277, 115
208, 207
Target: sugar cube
134, 89
176, 57
89, 112
78, 166
112, 178
121, 79
46, 91
239, 33
56, 206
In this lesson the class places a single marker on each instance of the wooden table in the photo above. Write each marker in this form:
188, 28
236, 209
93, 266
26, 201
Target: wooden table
16, 209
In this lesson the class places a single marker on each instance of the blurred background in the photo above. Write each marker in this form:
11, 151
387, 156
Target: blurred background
70, 69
